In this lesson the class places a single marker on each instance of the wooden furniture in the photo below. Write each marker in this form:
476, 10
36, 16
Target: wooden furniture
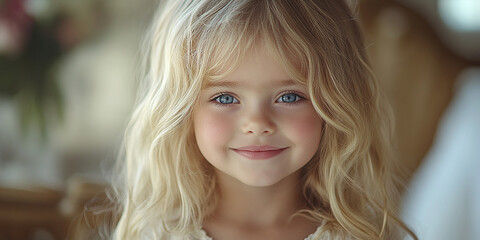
417, 72
37, 213
31, 214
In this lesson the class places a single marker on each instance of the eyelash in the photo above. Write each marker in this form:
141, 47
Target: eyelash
214, 98
300, 97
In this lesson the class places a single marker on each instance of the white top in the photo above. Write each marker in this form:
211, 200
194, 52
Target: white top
313, 236
202, 235
443, 200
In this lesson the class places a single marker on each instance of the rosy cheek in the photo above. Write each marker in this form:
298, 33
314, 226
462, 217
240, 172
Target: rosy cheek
219, 123
310, 124
213, 127
305, 127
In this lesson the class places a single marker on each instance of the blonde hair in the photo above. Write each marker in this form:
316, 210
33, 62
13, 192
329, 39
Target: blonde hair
165, 186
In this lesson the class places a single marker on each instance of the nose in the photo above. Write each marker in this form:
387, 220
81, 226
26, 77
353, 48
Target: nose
258, 122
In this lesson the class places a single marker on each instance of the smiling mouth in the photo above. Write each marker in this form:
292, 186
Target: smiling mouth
259, 152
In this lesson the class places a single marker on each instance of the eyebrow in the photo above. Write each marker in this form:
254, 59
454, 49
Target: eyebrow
281, 83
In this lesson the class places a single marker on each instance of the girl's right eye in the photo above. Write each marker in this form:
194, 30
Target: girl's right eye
225, 99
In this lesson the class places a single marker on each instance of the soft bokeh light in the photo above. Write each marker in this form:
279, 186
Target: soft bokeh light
67, 88
460, 15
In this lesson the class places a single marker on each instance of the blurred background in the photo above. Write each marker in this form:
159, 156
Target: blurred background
67, 87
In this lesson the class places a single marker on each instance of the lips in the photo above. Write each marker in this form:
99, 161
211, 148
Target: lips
259, 152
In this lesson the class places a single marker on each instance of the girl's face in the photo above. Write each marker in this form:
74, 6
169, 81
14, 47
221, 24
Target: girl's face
257, 125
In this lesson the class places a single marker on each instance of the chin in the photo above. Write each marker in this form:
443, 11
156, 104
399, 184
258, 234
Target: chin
260, 184
260, 181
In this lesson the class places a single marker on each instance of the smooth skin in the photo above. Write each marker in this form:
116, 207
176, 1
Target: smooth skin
257, 105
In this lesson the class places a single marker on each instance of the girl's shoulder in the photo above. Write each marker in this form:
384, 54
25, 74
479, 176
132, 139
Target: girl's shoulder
319, 235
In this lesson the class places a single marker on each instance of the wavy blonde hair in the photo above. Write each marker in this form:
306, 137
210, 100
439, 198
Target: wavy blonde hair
165, 187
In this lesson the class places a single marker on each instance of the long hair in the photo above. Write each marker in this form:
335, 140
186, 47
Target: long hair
164, 185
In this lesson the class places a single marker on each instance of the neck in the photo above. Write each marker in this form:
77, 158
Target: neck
259, 206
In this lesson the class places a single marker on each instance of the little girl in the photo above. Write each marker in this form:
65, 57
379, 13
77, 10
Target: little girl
258, 119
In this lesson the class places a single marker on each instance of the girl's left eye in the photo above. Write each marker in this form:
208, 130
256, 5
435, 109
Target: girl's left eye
225, 99
289, 98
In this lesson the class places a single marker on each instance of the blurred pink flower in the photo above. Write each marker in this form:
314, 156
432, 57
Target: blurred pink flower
15, 26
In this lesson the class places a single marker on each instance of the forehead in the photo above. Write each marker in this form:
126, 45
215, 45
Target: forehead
258, 65
220, 42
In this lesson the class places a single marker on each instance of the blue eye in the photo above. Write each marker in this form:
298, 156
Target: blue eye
289, 98
225, 99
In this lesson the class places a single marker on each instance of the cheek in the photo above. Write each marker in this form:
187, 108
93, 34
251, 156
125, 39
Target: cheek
305, 129
212, 129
